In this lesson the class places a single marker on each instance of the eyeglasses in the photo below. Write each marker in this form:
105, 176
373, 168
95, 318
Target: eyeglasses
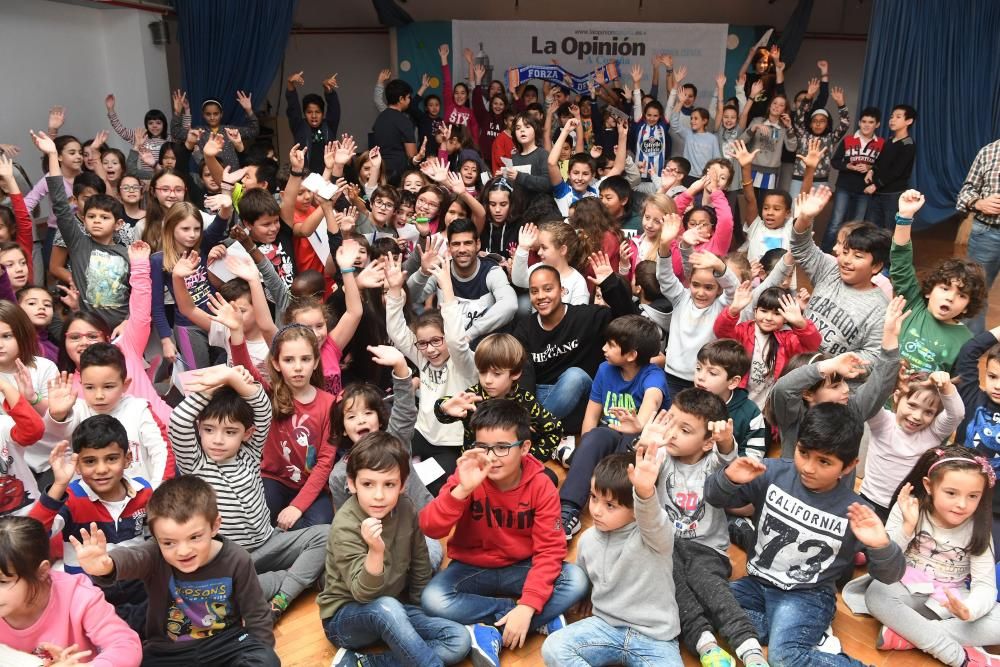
164, 190
383, 204
433, 342
132, 188
500, 449
93, 337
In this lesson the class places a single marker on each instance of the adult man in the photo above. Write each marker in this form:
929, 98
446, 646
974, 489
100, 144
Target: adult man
980, 195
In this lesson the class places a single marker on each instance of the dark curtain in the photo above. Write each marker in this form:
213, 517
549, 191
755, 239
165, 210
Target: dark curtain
795, 31
943, 58
230, 45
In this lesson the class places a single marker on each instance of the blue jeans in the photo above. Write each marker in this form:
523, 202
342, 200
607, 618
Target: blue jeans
570, 390
413, 637
847, 206
791, 623
594, 641
468, 594
882, 210
984, 247
278, 497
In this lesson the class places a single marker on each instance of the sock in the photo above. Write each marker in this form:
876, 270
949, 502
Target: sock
749, 651
706, 642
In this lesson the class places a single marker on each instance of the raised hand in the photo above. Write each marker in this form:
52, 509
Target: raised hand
455, 183
847, 364
786, 120
909, 506
57, 116
720, 81
461, 405
139, 136
395, 277
92, 551
756, 88
636, 75
649, 459
295, 81
669, 231
823, 67
601, 266
741, 298
25, 387
386, 355
866, 526
656, 432
701, 259
187, 264
744, 469
233, 177
43, 142
224, 312
722, 433
347, 253
791, 312
216, 203
527, 237
695, 236
193, 137
213, 146
472, 467
243, 267
626, 420
815, 151
138, 251
63, 463
738, 150
345, 150
372, 276
384, 76
245, 100
910, 202
809, 204
330, 83
371, 532
812, 88
837, 95
179, 101
234, 136
210, 379
478, 72
802, 297
297, 158
680, 74
6, 168
109, 103
99, 140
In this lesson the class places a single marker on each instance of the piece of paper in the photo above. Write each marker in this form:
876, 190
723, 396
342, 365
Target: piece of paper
313, 182
428, 470
523, 168
507, 162
762, 42
320, 242
327, 190
10, 657
219, 268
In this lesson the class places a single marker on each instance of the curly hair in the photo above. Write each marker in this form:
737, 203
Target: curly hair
970, 277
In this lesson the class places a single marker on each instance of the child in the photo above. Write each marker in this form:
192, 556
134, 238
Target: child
954, 291
260, 214
766, 339
853, 158
104, 382
314, 122
820, 127
456, 100
804, 543
845, 306
772, 228
70, 157
927, 412
695, 308
504, 206
713, 224
21, 365
99, 266
218, 433
627, 556
581, 171
813, 379
946, 603
20, 428
644, 247
211, 113
22, 230
557, 246
768, 135
535, 180
154, 122
652, 304
700, 146
649, 127
205, 601
500, 360
36, 302
377, 566
56, 614
890, 175
721, 367
517, 542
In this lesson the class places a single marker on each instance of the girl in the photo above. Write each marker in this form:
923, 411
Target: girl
36, 302
49, 612
819, 127
763, 76
370, 172
130, 194
808, 380
113, 161
211, 112
489, 118
456, 105
714, 223
412, 180
557, 247
20, 361
166, 189
529, 167
767, 134
945, 604
642, 248
430, 200
70, 153
154, 121
469, 169
928, 409
464, 203
168, 156
182, 232
766, 339
15, 263
597, 231
504, 206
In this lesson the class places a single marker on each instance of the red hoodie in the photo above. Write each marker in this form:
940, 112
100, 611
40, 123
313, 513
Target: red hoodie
495, 528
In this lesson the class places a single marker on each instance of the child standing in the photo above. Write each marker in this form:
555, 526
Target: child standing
820, 127
627, 556
47, 612
768, 136
377, 567
941, 519
649, 128
581, 170
700, 146
890, 175
853, 158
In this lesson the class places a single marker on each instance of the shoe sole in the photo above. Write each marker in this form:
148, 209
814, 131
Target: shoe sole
477, 656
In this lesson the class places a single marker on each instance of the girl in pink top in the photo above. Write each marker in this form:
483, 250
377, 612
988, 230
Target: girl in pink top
715, 222
60, 616
456, 105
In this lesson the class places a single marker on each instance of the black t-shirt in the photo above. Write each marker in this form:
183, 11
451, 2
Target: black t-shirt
392, 129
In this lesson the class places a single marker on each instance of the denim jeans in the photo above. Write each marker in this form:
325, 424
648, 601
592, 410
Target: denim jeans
468, 594
594, 641
278, 497
413, 637
569, 391
791, 623
984, 247
882, 210
847, 207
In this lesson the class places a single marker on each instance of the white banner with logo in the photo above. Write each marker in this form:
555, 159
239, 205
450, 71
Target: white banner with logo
581, 46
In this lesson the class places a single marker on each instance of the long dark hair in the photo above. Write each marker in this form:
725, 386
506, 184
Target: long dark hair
370, 396
770, 299
156, 114
933, 465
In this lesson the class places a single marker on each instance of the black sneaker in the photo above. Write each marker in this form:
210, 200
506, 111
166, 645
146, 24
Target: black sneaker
743, 534
570, 522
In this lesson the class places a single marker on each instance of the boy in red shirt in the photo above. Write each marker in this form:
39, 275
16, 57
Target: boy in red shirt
507, 551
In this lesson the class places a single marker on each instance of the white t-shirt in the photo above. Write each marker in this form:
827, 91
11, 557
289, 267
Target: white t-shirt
760, 382
218, 335
760, 238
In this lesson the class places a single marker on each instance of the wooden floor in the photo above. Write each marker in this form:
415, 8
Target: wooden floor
301, 642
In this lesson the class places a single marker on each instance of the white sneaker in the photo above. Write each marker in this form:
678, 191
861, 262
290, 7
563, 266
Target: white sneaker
564, 451
829, 643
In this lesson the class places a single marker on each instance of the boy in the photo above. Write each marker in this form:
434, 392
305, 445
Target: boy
500, 360
85, 185
853, 158
890, 175
104, 494
311, 128
804, 542
954, 291
846, 307
377, 566
205, 602
627, 557
697, 434
260, 214
772, 229
104, 384
99, 266
218, 433
616, 195
721, 367
581, 172
507, 550
652, 304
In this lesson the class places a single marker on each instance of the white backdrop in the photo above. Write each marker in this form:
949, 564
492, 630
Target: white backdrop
579, 46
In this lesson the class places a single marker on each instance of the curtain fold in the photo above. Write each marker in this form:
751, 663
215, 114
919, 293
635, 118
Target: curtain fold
795, 31
943, 58
230, 45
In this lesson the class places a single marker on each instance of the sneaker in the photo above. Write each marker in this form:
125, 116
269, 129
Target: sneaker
279, 603
485, 645
570, 522
888, 640
742, 533
564, 451
977, 657
829, 643
754, 659
346, 658
717, 657
557, 623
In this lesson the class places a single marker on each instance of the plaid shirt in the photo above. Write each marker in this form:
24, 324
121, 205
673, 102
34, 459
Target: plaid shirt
982, 181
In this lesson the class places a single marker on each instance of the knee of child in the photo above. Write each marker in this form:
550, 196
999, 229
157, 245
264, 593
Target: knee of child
434, 599
574, 578
390, 610
456, 644
554, 649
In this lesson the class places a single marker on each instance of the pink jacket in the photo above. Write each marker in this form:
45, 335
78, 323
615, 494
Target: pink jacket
454, 114
77, 613
721, 239
790, 341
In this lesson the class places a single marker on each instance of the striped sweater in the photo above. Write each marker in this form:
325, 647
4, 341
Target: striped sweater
237, 482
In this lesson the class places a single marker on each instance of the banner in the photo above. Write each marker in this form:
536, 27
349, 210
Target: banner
580, 46
557, 74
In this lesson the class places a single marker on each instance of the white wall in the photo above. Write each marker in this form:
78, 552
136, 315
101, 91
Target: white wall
847, 63
56, 53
